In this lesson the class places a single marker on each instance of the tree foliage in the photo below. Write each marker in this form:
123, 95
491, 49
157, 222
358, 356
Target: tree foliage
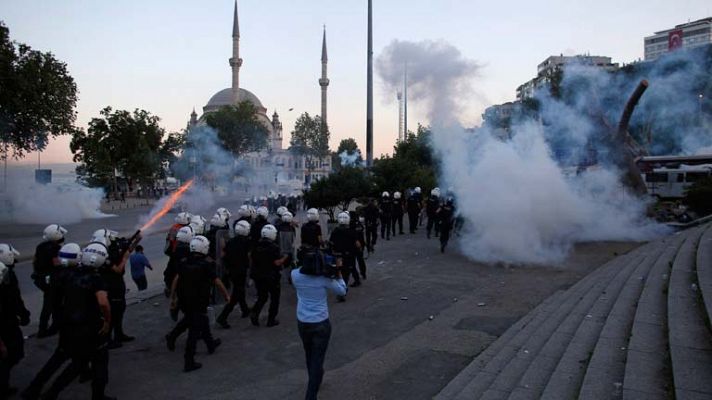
411, 165
37, 97
338, 190
128, 143
310, 137
239, 130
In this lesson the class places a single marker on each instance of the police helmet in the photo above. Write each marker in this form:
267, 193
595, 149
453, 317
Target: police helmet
385, 194
397, 195
184, 234
54, 233
343, 218
313, 214
3, 271
94, 255
69, 255
8, 254
183, 218
269, 232
287, 216
263, 212
242, 228
200, 244
435, 192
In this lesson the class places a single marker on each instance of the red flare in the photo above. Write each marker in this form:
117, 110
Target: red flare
169, 204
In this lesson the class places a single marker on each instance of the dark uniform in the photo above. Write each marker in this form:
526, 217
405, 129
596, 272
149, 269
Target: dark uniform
310, 232
386, 213
397, 216
13, 313
413, 211
256, 229
359, 231
116, 290
431, 209
236, 261
343, 244
195, 279
79, 337
44, 266
446, 216
370, 214
181, 251
267, 280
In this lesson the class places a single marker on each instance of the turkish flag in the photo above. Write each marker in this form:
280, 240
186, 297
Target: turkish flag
675, 39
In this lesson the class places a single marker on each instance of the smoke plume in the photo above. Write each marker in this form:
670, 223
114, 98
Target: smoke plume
518, 204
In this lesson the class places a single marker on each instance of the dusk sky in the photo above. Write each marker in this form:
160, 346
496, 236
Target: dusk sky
170, 56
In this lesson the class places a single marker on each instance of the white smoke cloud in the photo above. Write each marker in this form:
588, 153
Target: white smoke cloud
517, 203
350, 160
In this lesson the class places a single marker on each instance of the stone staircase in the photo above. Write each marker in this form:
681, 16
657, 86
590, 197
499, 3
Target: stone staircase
638, 327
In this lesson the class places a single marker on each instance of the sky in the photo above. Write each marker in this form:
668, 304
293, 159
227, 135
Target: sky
168, 56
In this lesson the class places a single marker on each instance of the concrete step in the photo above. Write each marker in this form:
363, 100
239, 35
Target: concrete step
565, 380
467, 374
647, 368
545, 325
542, 362
688, 334
704, 269
605, 373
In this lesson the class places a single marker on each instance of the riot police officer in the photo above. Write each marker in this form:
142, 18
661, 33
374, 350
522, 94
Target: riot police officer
431, 209
311, 230
345, 245
237, 261
386, 208
44, 264
13, 314
267, 262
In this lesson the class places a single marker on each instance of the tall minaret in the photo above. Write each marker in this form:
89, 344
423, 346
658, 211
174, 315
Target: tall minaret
324, 81
235, 61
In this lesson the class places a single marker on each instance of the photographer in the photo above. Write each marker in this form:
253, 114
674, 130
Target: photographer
312, 283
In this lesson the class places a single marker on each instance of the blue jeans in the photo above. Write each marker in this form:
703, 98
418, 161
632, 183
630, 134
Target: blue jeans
315, 338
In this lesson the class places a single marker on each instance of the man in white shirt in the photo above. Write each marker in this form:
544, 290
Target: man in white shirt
313, 320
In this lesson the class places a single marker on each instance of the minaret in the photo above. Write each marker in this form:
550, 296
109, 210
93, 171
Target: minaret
277, 127
235, 61
193, 119
324, 81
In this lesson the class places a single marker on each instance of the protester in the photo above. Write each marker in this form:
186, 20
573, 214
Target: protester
139, 263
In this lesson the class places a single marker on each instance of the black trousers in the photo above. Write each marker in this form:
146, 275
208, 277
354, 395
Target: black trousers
47, 297
432, 223
267, 289
15, 344
413, 221
238, 281
386, 227
349, 269
141, 283
315, 339
118, 308
371, 237
81, 352
55, 362
361, 263
397, 219
198, 326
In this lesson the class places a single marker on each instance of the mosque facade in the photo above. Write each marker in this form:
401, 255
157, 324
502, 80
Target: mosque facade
275, 168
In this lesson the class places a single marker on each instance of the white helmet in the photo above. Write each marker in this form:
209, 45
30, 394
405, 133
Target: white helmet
244, 211
281, 210
435, 192
263, 212
344, 218
54, 233
225, 213
313, 214
397, 195
252, 211
217, 220
185, 234
242, 228
198, 224
94, 255
8, 254
69, 255
183, 218
287, 216
103, 235
417, 189
200, 244
385, 194
269, 232
3, 271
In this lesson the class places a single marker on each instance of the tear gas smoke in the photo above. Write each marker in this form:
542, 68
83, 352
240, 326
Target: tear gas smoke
518, 205
27, 202
351, 160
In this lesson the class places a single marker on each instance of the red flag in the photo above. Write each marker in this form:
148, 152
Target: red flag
675, 39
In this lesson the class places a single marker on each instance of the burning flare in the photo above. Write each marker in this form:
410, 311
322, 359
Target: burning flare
169, 204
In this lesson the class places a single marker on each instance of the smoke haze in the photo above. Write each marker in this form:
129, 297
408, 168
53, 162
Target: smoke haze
518, 204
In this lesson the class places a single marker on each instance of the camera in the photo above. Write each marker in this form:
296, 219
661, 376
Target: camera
317, 262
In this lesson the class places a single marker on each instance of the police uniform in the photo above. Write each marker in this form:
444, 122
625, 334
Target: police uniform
43, 265
386, 213
371, 218
267, 280
413, 211
116, 290
310, 233
256, 229
13, 313
343, 244
397, 217
359, 231
446, 215
237, 262
431, 209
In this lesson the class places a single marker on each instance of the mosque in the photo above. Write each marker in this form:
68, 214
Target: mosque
274, 168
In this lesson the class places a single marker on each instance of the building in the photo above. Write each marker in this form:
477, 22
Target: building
498, 118
683, 36
548, 68
274, 168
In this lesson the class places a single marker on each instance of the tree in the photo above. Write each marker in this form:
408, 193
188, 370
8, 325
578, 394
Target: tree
698, 196
37, 97
238, 128
348, 148
310, 138
338, 190
128, 143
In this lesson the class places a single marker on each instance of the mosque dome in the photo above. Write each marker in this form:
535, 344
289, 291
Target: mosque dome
224, 98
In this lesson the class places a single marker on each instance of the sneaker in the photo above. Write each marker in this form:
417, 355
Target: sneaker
272, 323
170, 343
192, 366
215, 345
